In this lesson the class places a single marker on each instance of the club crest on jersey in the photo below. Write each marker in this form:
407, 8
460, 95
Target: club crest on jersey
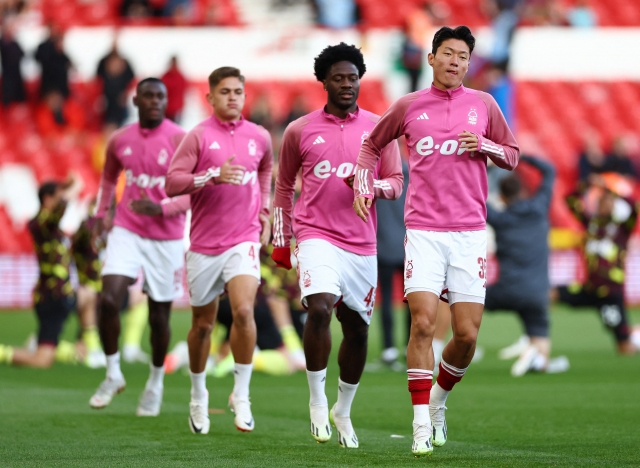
163, 157
364, 136
473, 116
252, 147
306, 279
409, 269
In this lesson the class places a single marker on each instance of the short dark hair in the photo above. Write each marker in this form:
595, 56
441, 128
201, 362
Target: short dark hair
462, 33
150, 79
338, 53
510, 187
47, 189
221, 73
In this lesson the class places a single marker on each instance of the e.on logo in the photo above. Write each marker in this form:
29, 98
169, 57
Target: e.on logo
144, 180
425, 147
323, 169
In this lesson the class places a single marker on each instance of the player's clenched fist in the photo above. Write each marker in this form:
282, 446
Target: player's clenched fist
231, 173
468, 141
361, 205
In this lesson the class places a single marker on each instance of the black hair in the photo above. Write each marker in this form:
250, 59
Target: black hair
338, 53
462, 33
47, 189
510, 187
149, 80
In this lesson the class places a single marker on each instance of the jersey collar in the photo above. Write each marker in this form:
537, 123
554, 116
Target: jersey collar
449, 94
227, 125
350, 116
151, 131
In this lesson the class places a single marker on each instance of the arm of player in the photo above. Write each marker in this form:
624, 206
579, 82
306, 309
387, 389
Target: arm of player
181, 179
265, 179
175, 206
499, 144
289, 164
389, 128
108, 181
390, 181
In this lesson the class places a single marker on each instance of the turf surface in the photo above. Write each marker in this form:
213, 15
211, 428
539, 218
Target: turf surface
589, 416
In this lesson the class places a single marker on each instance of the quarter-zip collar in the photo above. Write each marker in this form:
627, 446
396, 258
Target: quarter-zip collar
146, 132
227, 125
350, 116
448, 94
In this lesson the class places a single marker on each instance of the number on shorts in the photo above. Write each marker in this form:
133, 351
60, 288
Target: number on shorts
483, 267
369, 298
252, 253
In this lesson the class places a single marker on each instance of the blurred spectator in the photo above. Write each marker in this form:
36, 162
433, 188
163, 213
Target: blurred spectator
11, 55
137, 9
299, 109
544, 13
261, 113
54, 62
116, 75
592, 158
500, 86
10, 8
176, 85
505, 16
335, 14
56, 116
618, 160
582, 15
417, 31
177, 7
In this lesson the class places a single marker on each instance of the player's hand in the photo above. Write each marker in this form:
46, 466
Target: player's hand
361, 205
97, 235
144, 206
349, 181
265, 237
468, 141
231, 173
282, 257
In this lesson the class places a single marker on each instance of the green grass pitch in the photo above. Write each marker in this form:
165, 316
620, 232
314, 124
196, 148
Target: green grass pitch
589, 416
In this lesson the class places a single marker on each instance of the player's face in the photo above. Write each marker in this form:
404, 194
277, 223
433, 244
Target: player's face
342, 84
227, 99
151, 101
450, 63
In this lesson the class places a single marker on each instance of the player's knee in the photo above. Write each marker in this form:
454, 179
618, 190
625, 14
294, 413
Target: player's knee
158, 321
243, 316
319, 315
109, 305
422, 326
466, 338
202, 328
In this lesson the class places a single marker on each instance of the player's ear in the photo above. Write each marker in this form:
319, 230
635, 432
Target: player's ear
431, 57
210, 98
135, 100
324, 84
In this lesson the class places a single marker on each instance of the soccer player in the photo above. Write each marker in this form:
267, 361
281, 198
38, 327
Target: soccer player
450, 132
225, 163
147, 234
607, 235
53, 294
336, 256
522, 232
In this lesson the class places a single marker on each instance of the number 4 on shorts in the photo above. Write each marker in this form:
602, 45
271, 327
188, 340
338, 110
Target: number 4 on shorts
369, 298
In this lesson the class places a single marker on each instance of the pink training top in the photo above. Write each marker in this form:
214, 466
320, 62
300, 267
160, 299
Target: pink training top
223, 215
447, 185
144, 154
326, 148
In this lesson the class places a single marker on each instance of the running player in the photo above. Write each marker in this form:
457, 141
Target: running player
53, 294
336, 257
148, 233
225, 164
450, 132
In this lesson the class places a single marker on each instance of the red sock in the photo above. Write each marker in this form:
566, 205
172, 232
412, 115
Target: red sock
449, 375
419, 385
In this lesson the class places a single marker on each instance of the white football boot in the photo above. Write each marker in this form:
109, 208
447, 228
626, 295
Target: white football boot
106, 391
199, 416
241, 407
346, 435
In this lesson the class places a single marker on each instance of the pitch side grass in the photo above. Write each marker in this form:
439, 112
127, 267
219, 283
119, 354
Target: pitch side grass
589, 416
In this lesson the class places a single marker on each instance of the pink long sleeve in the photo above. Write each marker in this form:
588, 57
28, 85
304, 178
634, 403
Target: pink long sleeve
181, 179
381, 145
176, 205
289, 162
110, 173
499, 144
265, 176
